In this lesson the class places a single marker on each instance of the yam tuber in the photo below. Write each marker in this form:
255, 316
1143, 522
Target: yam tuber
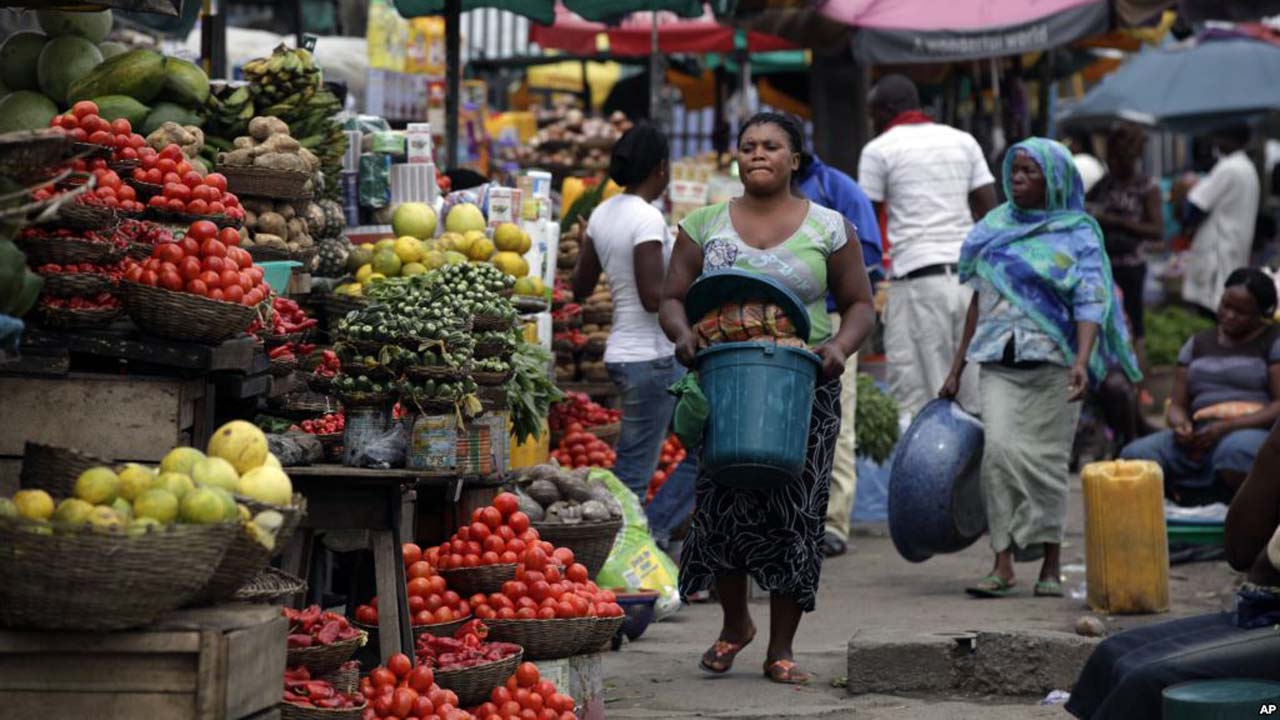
273, 224
263, 127
281, 161
236, 158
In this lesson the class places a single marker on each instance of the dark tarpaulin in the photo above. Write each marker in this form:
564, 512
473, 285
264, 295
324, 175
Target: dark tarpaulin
879, 46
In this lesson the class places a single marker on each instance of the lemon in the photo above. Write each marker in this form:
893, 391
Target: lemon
135, 478
362, 275
508, 236
272, 461
156, 504
268, 485
526, 244
413, 268
409, 249
375, 278
72, 512
215, 471
433, 259
180, 460
202, 506
240, 443
384, 244
177, 484
97, 486
105, 520
123, 508
481, 249
141, 526
511, 264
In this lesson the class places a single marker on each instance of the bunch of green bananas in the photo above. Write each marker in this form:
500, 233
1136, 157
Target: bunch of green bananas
283, 81
229, 110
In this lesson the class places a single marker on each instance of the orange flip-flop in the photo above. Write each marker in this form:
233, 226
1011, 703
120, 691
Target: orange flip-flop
718, 659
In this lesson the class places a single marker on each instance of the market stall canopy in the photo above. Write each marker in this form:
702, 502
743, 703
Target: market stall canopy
544, 11
927, 31
632, 35
1191, 87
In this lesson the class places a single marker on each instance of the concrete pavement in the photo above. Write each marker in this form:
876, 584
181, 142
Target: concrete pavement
875, 593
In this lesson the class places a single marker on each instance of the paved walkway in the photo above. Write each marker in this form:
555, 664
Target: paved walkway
871, 588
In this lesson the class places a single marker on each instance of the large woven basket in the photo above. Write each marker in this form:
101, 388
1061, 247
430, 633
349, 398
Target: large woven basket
483, 377
67, 251
590, 542
85, 217
26, 152
474, 685
78, 283
322, 659
87, 581
167, 217
437, 629
184, 316
545, 639
485, 579
54, 469
244, 559
272, 586
601, 636
265, 182
75, 318
293, 515
346, 678
297, 712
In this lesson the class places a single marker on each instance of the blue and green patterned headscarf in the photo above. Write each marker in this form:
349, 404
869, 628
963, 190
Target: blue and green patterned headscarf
1051, 263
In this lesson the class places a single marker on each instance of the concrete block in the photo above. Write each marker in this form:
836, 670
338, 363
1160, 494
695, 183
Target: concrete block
1017, 663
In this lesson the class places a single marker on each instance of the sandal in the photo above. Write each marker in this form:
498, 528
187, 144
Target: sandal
785, 673
833, 546
718, 659
1048, 588
991, 586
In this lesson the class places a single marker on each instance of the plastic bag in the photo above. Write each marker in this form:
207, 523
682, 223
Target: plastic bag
692, 410
371, 441
635, 561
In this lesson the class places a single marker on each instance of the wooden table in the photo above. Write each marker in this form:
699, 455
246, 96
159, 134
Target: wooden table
345, 498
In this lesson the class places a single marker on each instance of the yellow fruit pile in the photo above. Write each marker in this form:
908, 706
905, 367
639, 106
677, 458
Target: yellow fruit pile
188, 487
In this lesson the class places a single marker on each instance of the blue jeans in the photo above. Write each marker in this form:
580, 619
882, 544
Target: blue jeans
1235, 452
646, 414
673, 502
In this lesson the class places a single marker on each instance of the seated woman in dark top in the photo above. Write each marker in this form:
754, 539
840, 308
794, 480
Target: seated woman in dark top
1127, 673
1226, 394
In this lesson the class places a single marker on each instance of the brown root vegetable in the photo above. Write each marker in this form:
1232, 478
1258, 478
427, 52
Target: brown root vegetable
263, 127
281, 161
236, 158
244, 142
273, 223
271, 241
544, 492
278, 144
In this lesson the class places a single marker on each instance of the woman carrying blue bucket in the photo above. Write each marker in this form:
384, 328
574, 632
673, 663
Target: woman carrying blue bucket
774, 534
1044, 301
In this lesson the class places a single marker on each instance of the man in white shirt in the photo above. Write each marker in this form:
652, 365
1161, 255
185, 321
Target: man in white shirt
1222, 212
934, 183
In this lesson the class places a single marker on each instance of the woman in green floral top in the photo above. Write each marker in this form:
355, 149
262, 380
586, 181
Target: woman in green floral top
773, 536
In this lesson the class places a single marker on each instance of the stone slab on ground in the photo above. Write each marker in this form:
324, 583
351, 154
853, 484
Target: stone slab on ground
1014, 663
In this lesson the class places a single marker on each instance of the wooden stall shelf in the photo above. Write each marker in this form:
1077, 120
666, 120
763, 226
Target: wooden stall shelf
214, 663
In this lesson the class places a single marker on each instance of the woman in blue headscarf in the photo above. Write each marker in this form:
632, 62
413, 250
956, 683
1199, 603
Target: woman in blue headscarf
1043, 323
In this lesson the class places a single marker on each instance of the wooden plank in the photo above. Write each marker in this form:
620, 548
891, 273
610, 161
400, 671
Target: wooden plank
62, 643
97, 705
125, 342
39, 361
385, 551
242, 387
211, 672
98, 672
116, 417
225, 618
255, 663
10, 473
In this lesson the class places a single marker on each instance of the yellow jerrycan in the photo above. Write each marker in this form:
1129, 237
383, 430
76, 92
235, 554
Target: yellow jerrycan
1126, 547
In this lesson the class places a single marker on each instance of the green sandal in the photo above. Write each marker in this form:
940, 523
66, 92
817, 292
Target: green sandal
991, 586
1048, 588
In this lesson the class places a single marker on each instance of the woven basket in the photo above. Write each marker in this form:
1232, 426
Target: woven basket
89, 151
245, 558
54, 469
321, 659
346, 678
366, 399
337, 306
86, 217
490, 378
77, 283
545, 639
184, 316
145, 190
281, 368
272, 586
297, 712
73, 318
371, 371
437, 629
590, 542
167, 217
67, 251
265, 182
601, 636
123, 168
293, 515
474, 685
87, 581
138, 251
491, 322
493, 350
434, 372
16, 206
485, 579
26, 152
320, 383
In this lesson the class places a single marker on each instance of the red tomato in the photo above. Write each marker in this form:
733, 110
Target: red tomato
519, 522
233, 293
215, 264
479, 531
535, 559
166, 164
198, 207
121, 126
126, 192
149, 277
133, 274
577, 572
171, 152
506, 503
170, 279
421, 587
229, 277
154, 176
84, 108
191, 178
400, 664
563, 555
182, 168
176, 205
212, 248
508, 557
403, 699
217, 208
231, 238
202, 230
211, 279
168, 252
418, 568
444, 615
216, 294
491, 516
527, 675
216, 180
422, 708
494, 543
253, 297
246, 283
188, 267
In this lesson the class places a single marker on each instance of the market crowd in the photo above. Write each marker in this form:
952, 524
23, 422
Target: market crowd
1002, 296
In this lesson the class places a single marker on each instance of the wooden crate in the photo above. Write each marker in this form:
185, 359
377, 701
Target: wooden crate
215, 663
113, 416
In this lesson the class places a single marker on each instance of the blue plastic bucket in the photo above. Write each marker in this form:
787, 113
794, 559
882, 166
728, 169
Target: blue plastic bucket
276, 273
761, 399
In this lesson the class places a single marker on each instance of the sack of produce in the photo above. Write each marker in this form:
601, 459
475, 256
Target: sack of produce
635, 561
731, 324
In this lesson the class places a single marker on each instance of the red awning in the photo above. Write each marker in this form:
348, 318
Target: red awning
631, 36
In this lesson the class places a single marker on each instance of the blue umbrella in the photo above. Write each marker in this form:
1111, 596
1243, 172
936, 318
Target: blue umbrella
1192, 87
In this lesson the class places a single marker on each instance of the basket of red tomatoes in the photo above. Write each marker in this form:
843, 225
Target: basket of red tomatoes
203, 288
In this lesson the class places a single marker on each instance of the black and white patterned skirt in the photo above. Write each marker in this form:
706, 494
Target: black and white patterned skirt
773, 535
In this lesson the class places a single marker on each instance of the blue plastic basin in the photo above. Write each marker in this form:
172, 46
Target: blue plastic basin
276, 273
935, 492
761, 399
